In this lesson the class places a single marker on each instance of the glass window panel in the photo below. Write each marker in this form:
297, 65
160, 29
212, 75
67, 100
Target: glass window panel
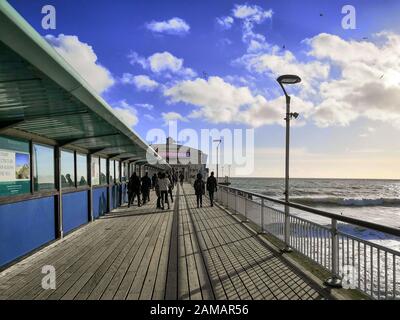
81, 169
124, 171
112, 165
43, 167
103, 171
67, 169
95, 171
117, 172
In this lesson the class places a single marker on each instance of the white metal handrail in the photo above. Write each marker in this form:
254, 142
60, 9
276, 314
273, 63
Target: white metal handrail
353, 262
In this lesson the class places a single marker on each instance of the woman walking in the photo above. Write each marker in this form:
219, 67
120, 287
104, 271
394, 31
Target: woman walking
163, 185
199, 188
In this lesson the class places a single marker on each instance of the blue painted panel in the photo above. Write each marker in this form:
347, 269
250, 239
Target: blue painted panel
99, 202
114, 197
25, 226
75, 210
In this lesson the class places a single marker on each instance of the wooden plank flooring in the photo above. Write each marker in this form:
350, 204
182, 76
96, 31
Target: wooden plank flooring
144, 253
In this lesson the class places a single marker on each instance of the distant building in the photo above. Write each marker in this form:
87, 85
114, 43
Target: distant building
182, 158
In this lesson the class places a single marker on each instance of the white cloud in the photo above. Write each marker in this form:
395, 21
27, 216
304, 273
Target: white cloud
172, 116
254, 13
276, 63
225, 22
128, 78
250, 16
149, 117
344, 79
144, 83
83, 59
135, 58
165, 61
174, 26
145, 106
126, 113
162, 63
367, 86
222, 102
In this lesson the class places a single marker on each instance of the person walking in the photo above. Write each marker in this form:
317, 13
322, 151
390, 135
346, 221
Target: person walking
157, 189
199, 188
163, 185
170, 187
181, 178
153, 181
211, 187
146, 185
133, 189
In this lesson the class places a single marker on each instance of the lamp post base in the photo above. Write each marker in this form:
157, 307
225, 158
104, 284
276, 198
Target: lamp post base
286, 249
334, 282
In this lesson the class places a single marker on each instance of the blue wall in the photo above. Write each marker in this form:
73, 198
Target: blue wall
25, 226
75, 210
99, 202
114, 197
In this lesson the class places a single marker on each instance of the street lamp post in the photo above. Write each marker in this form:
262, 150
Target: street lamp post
287, 79
219, 142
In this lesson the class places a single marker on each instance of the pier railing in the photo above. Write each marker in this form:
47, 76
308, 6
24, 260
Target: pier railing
353, 262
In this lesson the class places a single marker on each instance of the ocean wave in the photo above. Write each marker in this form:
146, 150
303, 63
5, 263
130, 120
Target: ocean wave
347, 202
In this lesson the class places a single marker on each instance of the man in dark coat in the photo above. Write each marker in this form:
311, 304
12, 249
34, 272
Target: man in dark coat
199, 189
211, 187
146, 186
133, 189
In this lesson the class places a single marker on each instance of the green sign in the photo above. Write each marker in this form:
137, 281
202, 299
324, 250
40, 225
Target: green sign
14, 167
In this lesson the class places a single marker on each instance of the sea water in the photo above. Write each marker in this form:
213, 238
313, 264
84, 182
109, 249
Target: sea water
376, 201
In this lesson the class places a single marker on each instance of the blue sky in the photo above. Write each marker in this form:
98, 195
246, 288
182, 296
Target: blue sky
159, 60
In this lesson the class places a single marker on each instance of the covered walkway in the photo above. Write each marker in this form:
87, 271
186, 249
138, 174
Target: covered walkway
144, 253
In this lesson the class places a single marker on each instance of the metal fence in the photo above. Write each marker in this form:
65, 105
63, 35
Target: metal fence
353, 262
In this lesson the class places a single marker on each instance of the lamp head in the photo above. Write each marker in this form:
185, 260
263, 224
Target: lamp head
289, 79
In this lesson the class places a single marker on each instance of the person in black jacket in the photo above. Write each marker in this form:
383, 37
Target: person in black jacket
199, 188
154, 181
133, 189
211, 187
146, 186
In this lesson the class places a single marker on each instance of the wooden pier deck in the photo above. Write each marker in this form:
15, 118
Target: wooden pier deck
144, 253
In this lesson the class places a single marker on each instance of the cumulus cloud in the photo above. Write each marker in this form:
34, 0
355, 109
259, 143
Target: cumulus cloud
254, 13
144, 83
162, 63
220, 102
83, 59
368, 85
225, 22
174, 26
344, 79
276, 63
172, 116
126, 113
250, 16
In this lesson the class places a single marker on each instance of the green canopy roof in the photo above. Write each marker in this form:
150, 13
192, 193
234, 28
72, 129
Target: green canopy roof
41, 94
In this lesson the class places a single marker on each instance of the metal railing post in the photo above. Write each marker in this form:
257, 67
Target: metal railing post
286, 230
236, 195
245, 207
262, 216
334, 281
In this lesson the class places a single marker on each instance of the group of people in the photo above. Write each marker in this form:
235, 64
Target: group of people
163, 184
200, 188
